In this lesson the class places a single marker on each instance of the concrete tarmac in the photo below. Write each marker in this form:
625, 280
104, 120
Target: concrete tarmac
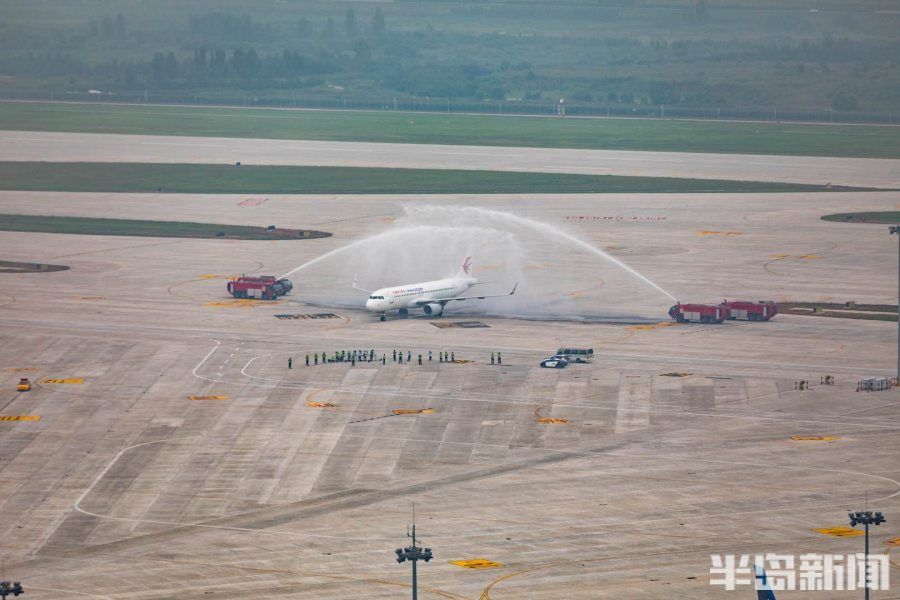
176, 455
93, 147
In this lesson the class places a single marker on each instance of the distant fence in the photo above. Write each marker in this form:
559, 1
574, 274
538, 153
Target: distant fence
499, 107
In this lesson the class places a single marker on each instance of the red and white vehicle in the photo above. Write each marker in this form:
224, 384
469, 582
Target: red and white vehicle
698, 313
264, 287
746, 310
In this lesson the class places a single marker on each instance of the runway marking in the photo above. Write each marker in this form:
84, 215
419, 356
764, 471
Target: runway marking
20, 418
676, 374
814, 438
209, 397
840, 531
69, 380
321, 405
476, 563
414, 411
241, 303
704, 232
552, 420
572, 452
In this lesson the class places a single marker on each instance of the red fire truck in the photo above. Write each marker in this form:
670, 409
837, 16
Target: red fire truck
265, 287
763, 310
698, 313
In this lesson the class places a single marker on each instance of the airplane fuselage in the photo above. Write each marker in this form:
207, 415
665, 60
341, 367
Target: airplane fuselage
415, 295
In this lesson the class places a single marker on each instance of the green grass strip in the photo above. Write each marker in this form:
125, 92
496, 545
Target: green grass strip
264, 179
888, 217
481, 130
171, 229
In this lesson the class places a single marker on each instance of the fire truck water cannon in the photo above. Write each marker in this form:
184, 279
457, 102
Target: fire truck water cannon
264, 287
746, 310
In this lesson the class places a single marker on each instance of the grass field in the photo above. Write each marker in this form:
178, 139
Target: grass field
889, 217
174, 229
264, 179
485, 130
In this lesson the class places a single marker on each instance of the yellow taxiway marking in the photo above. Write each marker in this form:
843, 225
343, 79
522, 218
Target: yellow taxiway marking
321, 405
809, 256
241, 303
552, 420
894, 541
73, 380
839, 531
704, 232
651, 326
476, 563
814, 438
414, 411
20, 418
779, 256
211, 276
209, 397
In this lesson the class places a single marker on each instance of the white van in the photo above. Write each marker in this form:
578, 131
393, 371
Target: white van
581, 355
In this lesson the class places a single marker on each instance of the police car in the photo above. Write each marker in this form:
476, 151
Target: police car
557, 361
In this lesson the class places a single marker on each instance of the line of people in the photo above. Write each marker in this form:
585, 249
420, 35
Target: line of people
362, 356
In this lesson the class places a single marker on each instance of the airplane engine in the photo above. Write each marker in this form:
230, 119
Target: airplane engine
434, 310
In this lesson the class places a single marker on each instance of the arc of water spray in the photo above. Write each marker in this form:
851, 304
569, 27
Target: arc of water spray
543, 228
549, 230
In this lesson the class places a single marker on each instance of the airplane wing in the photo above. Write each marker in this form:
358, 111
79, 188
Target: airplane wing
356, 287
443, 301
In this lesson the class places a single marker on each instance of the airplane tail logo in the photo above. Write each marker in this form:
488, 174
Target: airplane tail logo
467, 265
763, 589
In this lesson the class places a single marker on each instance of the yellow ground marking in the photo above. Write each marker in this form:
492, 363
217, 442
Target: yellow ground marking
241, 303
651, 326
211, 276
704, 232
476, 563
413, 411
537, 266
20, 418
894, 541
460, 361
552, 420
209, 397
839, 531
321, 405
814, 438
21, 369
72, 380
779, 256
809, 256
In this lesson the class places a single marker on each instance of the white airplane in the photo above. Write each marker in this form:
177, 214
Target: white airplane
430, 296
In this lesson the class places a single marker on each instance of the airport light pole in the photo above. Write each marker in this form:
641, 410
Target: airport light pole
7, 588
413, 554
866, 518
895, 229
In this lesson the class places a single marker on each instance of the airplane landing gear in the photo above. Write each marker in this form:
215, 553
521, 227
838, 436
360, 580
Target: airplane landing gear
404, 313
383, 317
